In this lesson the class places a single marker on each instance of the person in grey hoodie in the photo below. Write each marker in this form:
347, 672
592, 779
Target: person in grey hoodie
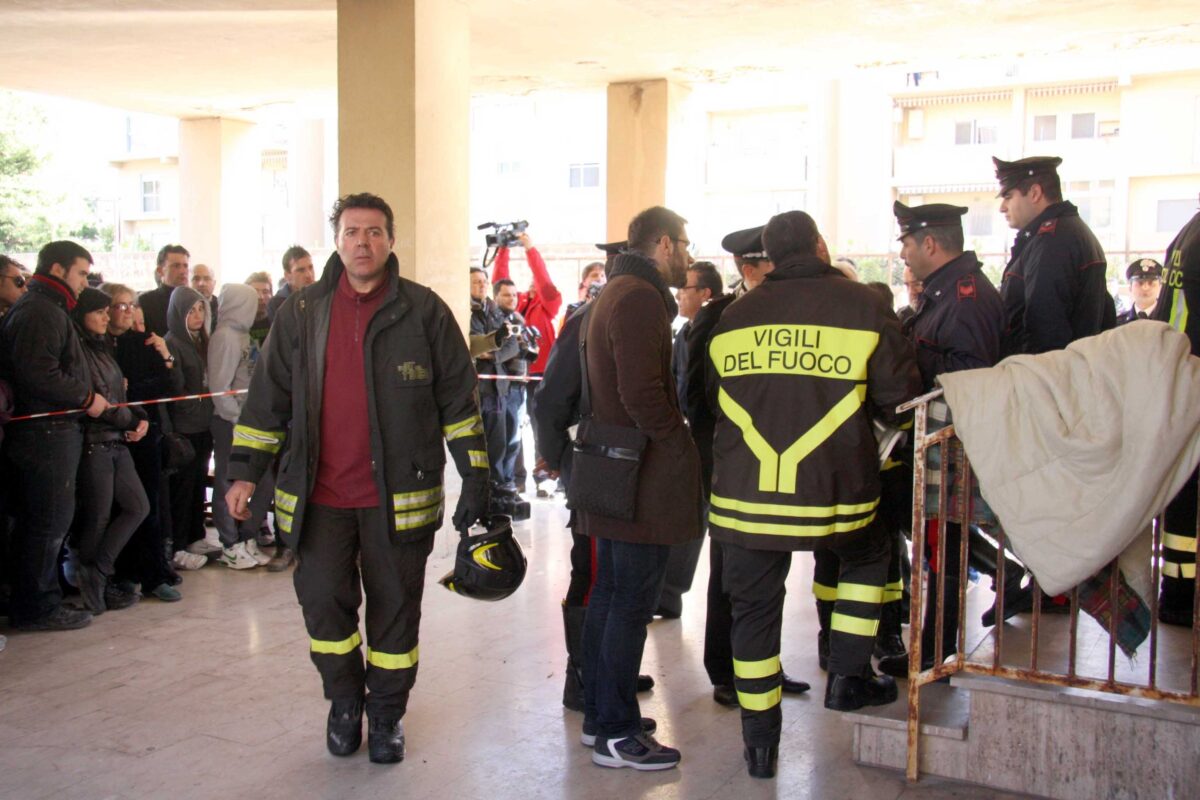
187, 340
232, 355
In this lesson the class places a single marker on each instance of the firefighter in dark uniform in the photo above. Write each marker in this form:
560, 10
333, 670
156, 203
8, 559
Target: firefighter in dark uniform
795, 368
362, 378
1181, 288
751, 260
1053, 288
1145, 286
957, 325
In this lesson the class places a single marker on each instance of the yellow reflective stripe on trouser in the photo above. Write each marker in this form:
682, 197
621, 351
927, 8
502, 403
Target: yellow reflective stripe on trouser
823, 592
471, 426
893, 591
1184, 544
780, 510
860, 593
1173, 570
749, 670
478, 458
418, 518
784, 529
267, 441
392, 660
283, 520
285, 501
760, 701
341, 648
856, 626
777, 471
406, 500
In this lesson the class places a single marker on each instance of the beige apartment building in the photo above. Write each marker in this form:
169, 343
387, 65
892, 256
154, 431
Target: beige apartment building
1130, 146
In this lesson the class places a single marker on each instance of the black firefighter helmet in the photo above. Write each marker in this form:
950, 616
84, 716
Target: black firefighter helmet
489, 565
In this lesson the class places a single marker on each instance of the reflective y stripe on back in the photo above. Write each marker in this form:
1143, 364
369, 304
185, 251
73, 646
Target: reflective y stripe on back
777, 471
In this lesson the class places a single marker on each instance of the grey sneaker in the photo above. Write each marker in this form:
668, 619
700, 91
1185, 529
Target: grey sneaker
60, 619
639, 751
588, 737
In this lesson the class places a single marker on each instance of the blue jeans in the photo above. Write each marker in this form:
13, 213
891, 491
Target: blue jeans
628, 581
46, 458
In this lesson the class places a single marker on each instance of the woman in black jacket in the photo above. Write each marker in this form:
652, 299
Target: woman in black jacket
106, 471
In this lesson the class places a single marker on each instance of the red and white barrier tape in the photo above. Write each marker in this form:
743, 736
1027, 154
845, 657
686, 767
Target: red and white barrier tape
229, 393
514, 378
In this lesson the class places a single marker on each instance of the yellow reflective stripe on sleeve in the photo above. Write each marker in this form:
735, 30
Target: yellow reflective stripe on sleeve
1183, 544
893, 591
393, 660
815, 350
749, 670
1173, 570
860, 593
283, 520
267, 441
779, 510
419, 518
341, 648
471, 426
823, 592
856, 626
777, 471
784, 529
762, 701
406, 500
479, 458
285, 501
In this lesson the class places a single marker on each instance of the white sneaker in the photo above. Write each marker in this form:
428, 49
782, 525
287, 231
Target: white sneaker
185, 560
237, 557
258, 555
211, 543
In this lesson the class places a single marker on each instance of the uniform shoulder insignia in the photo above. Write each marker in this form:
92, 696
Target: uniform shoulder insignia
1049, 226
966, 288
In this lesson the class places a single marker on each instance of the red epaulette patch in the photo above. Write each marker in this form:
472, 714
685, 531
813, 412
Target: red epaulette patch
1048, 226
966, 289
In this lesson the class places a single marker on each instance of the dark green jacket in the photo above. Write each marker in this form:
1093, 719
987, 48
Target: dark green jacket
421, 391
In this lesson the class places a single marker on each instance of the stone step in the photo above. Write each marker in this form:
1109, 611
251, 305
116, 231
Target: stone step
881, 732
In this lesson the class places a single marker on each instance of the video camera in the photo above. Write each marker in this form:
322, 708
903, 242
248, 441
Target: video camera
505, 235
506, 232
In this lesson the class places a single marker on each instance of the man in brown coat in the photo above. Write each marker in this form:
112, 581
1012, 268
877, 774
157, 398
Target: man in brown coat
630, 326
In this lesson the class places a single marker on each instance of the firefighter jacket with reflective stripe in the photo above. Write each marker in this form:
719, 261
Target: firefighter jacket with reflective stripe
420, 390
799, 366
1181, 283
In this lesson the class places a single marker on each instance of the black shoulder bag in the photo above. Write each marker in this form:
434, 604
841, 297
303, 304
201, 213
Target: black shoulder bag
605, 459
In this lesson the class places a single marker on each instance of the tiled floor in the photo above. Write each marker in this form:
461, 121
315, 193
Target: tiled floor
215, 697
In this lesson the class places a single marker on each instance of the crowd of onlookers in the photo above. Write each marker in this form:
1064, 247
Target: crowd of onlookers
109, 490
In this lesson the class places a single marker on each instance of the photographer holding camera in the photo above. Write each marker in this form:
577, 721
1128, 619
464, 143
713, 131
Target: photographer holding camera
490, 322
539, 306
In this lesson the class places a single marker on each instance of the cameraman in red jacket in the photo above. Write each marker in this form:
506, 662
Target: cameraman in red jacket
539, 306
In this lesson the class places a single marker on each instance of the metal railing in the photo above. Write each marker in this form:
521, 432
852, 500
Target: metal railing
953, 456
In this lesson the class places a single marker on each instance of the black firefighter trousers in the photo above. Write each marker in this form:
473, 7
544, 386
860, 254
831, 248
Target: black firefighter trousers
755, 582
335, 542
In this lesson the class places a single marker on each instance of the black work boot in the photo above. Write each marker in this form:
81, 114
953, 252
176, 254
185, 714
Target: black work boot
573, 617
760, 761
824, 617
852, 692
385, 740
343, 729
888, 642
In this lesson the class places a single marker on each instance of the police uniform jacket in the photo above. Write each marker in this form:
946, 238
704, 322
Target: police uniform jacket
699, 413
420, 390
628, 344
1181, 281
1131, 314
1053, 287
958, 323
798, 368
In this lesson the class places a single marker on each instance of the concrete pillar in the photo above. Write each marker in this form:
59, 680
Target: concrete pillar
403, 126
220, 219
645, 141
